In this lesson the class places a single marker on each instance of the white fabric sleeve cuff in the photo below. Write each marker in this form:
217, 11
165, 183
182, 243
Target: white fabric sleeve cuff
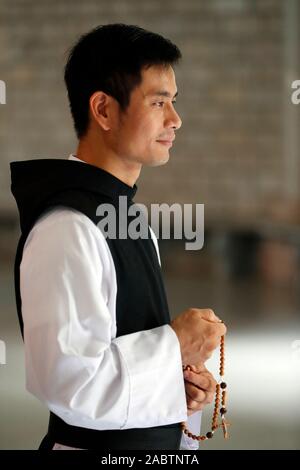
154, 365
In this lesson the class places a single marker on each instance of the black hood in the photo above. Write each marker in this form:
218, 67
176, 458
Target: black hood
36, 182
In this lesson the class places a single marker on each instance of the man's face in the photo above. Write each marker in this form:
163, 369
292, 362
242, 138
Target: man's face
147, 128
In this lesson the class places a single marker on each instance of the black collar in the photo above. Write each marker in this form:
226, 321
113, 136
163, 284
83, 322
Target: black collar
69, 174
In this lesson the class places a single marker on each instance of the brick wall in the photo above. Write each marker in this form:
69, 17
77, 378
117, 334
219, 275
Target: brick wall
229, 151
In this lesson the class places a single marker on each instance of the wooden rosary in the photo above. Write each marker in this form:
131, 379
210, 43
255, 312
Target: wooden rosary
220, 389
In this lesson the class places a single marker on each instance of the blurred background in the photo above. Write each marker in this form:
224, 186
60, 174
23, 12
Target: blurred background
237, 152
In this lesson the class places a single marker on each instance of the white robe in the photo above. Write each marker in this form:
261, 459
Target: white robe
75, 364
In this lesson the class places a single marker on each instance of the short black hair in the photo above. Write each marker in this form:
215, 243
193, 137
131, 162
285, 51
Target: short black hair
110, 58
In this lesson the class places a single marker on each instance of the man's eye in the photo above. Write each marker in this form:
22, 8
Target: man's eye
161, 103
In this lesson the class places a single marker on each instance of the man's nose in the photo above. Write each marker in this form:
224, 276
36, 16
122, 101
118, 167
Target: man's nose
174, 120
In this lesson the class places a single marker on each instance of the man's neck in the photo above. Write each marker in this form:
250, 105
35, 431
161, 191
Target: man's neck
124, 171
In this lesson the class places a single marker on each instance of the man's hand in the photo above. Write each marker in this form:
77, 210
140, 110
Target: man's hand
200, 387
199, 333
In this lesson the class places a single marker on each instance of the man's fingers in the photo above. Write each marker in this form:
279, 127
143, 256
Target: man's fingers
200, 387
203, 380
209, 315
195, 394
194, 405
200, 381
198, 368
223, 329
201, 401
209, 398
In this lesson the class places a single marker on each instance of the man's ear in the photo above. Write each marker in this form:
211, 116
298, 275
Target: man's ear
101, 109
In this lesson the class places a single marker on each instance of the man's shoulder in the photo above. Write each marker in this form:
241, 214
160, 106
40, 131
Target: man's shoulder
61, 221
63, 215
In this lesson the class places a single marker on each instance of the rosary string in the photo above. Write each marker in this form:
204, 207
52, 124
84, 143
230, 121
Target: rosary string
220, 397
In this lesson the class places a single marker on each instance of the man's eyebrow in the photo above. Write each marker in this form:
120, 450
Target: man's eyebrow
162, 93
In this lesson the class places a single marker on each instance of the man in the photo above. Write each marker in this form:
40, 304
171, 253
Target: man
100, 349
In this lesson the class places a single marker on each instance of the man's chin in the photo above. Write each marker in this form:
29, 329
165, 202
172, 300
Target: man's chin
159, 161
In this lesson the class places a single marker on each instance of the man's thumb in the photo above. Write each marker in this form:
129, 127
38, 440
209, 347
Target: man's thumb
209, 315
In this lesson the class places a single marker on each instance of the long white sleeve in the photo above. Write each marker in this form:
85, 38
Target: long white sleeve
74, 362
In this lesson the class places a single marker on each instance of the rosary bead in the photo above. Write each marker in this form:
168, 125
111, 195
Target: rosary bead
219, 397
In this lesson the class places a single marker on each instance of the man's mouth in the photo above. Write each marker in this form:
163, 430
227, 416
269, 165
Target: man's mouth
167, 143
